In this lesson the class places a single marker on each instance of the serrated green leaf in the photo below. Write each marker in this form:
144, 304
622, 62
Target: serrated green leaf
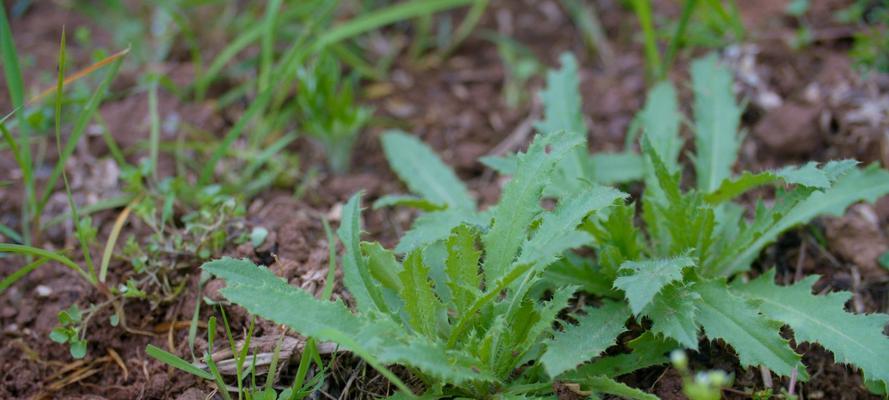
561, 100
379, 340
612, 168
808, 175
646, 350
603, 384
646, 278
673, 315
356, 275
727, 316
548, 314
557, 231
520, 201
573, 269
407, 201
660, 123
382, 265
432, 227
866, 184
462, 267
421, 305
562, 112
617, 239
504, 165
731, 188
423, 171
717, 116
853, 338
594, 332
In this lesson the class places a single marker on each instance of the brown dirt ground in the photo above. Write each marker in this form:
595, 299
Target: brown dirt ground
823, 111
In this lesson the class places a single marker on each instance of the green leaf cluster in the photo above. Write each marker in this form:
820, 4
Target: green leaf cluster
478, 303
671, 256
326, 104
460, 311
683, 262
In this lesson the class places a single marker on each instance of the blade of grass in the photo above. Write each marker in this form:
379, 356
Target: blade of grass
386, 16
466, 26
15, 86
11, 234
688, 7
101, 205
82, 74
20, 273
269, 152
155, 127
174, 361
81, 234
236, 46
420, 42
587, 22
38, 252
273, 365
112, 239
305, 360
240, 43
193, 327
355, 62
331, 263
256, 108
267, 43
242, 354
82, 122
642, 8
108, 138
310, 350
208, 359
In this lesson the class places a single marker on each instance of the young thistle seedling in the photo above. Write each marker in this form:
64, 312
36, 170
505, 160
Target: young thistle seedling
327, 109
684, 268
461, 313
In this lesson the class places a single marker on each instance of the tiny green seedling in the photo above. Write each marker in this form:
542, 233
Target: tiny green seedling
326, 104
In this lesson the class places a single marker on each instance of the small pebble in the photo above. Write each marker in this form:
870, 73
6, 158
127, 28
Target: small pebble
43, 291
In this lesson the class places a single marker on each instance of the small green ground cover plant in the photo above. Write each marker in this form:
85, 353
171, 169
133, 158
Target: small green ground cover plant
470, 301
459, 313
685, 268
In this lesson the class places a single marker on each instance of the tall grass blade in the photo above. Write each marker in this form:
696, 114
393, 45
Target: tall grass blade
642, 8
15, 86
174, 361
81, 234
112, 239
267, 43
385, 17
83, 120
256, 108
37, 252
155, 127
20, 273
